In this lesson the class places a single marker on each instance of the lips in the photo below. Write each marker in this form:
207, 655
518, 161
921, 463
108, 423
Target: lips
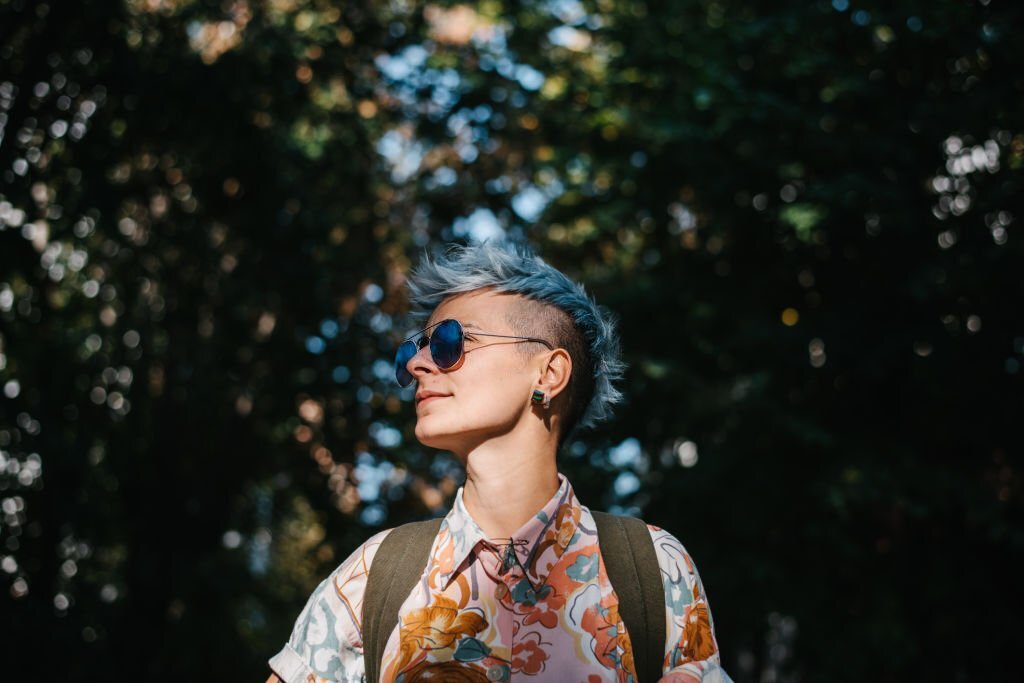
423, 396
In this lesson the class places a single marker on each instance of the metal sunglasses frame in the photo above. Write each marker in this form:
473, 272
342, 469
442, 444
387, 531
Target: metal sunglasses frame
462, 344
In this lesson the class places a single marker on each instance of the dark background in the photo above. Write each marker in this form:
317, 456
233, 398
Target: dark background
805, 215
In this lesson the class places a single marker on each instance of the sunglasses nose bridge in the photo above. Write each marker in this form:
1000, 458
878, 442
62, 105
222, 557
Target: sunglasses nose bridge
444, 351
420, 359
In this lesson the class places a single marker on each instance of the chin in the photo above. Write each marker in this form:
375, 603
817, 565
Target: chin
435, 433
432, 438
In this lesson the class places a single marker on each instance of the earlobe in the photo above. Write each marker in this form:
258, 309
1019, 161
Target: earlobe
540, 398
555, 374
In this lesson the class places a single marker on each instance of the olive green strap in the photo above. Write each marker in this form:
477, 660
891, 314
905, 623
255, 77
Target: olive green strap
628, 553
395, 569
629, 557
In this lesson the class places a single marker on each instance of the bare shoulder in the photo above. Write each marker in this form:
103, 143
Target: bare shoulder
273, 679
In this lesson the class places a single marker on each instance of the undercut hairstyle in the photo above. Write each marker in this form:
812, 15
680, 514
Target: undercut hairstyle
554, 308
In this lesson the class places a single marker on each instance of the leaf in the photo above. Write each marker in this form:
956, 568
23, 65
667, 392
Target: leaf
471, 650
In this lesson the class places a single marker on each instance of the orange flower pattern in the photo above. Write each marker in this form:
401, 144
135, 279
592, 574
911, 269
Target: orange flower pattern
539, 609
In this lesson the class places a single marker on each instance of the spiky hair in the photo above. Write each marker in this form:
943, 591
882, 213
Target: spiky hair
511, 267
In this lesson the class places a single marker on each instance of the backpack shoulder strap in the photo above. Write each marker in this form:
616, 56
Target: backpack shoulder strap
395, 568
632, 564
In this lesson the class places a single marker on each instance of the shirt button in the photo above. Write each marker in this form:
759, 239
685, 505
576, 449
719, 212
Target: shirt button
498, 672
501, 590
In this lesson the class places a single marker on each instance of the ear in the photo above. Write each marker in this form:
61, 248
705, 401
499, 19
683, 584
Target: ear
555, 372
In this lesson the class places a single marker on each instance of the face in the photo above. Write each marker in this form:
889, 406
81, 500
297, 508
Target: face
485, 394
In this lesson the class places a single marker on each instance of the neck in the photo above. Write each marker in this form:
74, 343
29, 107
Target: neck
509, 480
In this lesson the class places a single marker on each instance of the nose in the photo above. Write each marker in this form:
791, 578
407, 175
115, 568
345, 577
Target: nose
421, 364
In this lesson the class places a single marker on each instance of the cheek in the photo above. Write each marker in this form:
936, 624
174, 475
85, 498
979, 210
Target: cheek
494, 397
494, 400
495, 385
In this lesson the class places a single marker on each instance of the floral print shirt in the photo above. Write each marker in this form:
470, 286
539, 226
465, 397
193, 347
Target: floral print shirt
539, 609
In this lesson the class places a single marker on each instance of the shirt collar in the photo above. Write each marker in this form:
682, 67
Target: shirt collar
547, 534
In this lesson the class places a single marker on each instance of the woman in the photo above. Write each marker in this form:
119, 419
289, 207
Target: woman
513, 358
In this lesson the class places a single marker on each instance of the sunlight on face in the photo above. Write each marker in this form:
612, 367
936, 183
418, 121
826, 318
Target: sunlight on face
487, 393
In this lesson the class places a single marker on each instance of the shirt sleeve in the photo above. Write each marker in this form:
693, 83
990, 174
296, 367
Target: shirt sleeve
326, 644
691, 650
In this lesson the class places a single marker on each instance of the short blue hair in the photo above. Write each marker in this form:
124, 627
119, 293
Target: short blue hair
512, 267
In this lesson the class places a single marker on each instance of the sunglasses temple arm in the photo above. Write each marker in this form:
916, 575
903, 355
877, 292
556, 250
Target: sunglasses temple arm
509, 336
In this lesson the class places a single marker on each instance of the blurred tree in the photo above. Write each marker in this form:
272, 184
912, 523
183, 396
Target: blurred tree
802, 215
195, 253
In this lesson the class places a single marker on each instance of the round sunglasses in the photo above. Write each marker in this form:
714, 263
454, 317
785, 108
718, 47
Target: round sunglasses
446, 347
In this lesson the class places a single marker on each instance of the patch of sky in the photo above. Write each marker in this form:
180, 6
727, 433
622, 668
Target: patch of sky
459, 121
446, 465
482, 113
529, 203
480, 225
403, 154
499, 185
444, 92
599, 459
385, 435
329, 329
507, 68
638, 159
315, 344
496, 39
841, 5
383, 370
626, 484
404, 64
553, 188
528, 77
577, 449
445, 176
420, 237
340, 374
259, 552
373, 293
364, 394
380, 322
468, 153
578, 167
448, 79
373, 515
682, 218
567, 11
371, 473
861, 17
626, 454
566, 36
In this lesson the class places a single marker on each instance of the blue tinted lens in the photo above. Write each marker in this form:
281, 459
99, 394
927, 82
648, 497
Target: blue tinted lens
406, 351
446, 344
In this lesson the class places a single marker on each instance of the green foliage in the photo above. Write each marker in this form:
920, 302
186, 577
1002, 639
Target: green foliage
804, 215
